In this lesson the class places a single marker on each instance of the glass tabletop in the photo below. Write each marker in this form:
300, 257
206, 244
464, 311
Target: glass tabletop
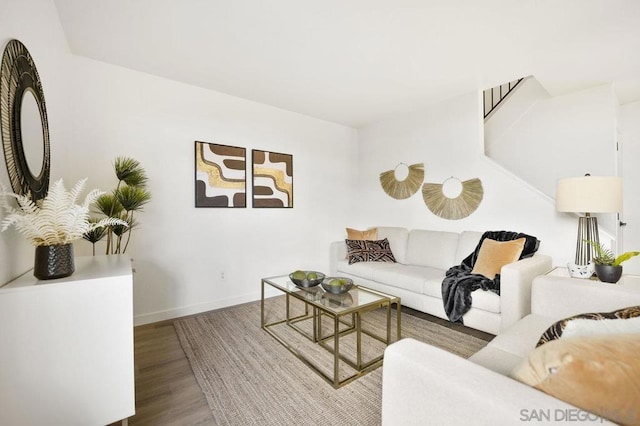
354, 300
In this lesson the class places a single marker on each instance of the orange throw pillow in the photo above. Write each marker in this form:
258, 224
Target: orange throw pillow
369, 234
600, 374
493, 255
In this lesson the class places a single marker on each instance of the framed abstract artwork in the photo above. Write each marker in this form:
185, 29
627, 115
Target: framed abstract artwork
221, 177
272, 179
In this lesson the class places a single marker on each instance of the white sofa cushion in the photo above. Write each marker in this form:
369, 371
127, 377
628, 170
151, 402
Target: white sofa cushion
511, 346
397, 241
467, 243
486, 300
434, 249
433, 287
496, 359
365, 270
521, 338
409, 277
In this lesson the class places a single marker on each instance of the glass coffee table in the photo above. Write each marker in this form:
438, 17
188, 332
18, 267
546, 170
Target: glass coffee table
345, 314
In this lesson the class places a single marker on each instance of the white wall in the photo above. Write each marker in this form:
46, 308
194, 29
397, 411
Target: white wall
571, 134
35, 23
181, 252
447, 138
511, 110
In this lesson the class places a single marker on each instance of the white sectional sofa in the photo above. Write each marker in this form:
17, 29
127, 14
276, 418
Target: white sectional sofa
423, 257
424, 385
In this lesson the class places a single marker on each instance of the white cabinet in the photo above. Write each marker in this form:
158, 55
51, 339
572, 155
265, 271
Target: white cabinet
66, 346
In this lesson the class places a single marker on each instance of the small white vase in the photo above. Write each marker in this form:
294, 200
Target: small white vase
581, 271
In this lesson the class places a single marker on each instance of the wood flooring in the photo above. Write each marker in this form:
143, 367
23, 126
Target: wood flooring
166, 389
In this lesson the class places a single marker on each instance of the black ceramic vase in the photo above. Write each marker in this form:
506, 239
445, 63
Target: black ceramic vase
53, 262
609, 273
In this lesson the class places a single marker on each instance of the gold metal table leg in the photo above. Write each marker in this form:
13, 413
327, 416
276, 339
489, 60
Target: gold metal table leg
336, 351
315, 324
262, 322
358, 341
287, 308
399, 319
389, 322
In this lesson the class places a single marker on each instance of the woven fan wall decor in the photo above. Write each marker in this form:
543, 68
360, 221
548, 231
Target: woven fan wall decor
453, 208
405, 188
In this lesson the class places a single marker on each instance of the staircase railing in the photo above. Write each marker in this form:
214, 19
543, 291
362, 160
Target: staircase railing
494, 96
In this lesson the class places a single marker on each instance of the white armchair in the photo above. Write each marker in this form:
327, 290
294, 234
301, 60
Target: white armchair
422, 384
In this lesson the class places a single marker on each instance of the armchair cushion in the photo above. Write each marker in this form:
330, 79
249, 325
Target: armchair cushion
556, 330
599, 374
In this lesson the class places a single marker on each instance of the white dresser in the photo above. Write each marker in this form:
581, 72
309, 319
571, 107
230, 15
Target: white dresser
66, 346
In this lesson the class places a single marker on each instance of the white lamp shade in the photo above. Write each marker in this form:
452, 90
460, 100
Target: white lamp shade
589, 194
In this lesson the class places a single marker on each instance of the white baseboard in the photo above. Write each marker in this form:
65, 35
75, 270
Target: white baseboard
190, 310
167, 314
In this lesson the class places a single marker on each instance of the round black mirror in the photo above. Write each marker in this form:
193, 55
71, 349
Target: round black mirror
25, 129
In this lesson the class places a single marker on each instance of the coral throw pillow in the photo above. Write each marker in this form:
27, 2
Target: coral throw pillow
369, 251
493, 255
369, 234
599, 374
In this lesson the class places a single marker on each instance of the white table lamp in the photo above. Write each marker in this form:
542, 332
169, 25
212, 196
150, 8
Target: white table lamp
588, 194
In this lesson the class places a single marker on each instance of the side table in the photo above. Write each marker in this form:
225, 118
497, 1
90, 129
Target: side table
627, 281
598, 296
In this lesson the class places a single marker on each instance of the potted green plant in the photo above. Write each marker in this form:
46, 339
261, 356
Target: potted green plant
52, 224
129, 197
608, 267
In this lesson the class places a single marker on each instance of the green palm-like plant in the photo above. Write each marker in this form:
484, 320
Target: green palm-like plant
96, 234
56, 219
108, 205
130, 171
132, 198
604, 256
129, 196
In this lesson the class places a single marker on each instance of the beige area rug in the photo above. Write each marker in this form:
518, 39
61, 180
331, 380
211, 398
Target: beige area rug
249, 378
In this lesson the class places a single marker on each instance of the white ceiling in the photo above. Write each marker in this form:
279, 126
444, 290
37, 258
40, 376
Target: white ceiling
357, 61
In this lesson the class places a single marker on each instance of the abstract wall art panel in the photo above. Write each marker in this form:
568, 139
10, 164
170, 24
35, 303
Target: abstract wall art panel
272, 179
221, 178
